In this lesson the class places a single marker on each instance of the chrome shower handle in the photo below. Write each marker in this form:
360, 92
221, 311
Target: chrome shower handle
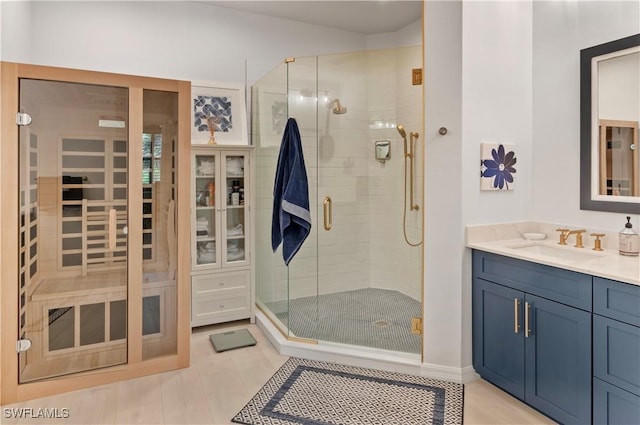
328, 213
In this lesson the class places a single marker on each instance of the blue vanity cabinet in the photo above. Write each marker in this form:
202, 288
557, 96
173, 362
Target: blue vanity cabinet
498, 350
616, 352
558, 360
532, 334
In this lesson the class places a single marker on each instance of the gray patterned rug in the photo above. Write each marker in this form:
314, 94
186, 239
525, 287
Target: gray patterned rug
319, 393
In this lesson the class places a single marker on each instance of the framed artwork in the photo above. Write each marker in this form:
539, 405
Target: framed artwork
497, 166
218, 114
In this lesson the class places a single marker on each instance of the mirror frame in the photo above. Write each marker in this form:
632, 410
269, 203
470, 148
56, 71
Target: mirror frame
586, 56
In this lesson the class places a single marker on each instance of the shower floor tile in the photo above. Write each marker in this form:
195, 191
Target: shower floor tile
370, 317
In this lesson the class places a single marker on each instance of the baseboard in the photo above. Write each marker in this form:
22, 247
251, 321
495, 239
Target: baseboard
448, 373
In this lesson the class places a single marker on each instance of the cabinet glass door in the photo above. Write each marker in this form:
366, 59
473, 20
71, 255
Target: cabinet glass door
235, 201
206, 253
73, 211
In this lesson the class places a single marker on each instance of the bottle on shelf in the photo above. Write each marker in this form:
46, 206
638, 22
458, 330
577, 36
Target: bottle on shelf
211, 187
235, 192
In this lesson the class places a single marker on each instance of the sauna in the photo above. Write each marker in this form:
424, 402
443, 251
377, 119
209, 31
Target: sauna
92, 204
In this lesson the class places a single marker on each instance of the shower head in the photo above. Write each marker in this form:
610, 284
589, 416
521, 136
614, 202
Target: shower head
337, 107
400, 129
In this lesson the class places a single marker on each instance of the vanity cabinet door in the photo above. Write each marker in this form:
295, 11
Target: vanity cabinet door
498, 342
558, 360
614, 406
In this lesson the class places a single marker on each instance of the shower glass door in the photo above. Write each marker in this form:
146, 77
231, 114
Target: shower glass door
369, 275
357, 279
303, 270
73, 166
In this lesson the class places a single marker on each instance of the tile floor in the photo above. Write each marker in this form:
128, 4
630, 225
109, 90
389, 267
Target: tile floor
217, 385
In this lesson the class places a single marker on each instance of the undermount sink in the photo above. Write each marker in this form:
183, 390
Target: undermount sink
557, 252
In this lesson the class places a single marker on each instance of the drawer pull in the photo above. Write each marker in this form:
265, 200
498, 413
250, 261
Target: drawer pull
221, 283
516, 325
221, 305
527, 331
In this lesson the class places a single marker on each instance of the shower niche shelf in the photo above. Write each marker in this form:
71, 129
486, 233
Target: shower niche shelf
221, 234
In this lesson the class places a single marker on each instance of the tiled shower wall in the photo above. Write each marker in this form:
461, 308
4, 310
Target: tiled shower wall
365, 247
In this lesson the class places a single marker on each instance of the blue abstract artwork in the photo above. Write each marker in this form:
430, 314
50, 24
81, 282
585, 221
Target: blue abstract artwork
218, 107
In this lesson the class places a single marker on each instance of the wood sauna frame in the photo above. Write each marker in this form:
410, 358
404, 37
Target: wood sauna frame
10, 388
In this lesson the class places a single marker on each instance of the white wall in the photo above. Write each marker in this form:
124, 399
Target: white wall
185, 40
560, 31
15, 31
443, 247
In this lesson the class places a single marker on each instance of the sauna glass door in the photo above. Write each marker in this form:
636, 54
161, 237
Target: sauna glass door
73, 166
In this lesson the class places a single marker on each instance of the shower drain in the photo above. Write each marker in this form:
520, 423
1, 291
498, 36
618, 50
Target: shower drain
380, 323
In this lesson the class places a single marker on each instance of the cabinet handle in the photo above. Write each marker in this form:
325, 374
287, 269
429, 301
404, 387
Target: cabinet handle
328, 213
527, 331
516, 325
221, 305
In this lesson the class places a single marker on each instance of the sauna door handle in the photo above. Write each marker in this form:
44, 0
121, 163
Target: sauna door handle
112, 229
328, 213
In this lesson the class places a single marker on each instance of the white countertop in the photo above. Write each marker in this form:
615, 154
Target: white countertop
507, 240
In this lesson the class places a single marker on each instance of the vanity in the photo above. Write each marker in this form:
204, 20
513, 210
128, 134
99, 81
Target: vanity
557, 327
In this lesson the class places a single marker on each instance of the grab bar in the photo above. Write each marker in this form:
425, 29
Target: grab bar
328, 213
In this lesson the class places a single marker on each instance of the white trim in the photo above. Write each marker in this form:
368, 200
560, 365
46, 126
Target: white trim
361, 356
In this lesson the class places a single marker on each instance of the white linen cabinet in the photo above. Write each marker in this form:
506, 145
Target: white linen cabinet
221, 234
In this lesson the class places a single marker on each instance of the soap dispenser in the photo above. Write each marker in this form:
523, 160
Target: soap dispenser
629, 240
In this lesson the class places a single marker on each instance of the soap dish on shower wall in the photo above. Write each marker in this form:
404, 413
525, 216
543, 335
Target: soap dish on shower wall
534, 236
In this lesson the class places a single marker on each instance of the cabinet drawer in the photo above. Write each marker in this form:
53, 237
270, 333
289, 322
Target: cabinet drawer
612, 405
616, 353
201, 285
617, 300
214, 309
564, 286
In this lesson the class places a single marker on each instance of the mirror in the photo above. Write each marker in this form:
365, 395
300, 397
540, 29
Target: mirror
609, 117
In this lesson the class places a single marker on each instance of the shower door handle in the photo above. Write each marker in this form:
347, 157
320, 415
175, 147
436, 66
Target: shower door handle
328, 213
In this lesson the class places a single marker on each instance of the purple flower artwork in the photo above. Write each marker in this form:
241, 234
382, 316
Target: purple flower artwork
497, 166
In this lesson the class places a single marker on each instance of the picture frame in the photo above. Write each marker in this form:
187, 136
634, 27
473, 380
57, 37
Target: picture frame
223, 106
497, 167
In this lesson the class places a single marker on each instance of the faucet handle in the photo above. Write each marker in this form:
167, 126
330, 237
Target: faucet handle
564, 233
597, 244
578, 234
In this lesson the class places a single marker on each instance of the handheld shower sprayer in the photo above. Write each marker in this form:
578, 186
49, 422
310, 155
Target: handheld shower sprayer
408, 153
403, 133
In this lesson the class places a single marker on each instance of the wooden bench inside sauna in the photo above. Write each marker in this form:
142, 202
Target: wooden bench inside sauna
78, 317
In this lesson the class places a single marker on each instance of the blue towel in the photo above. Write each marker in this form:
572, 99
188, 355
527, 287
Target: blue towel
291, 222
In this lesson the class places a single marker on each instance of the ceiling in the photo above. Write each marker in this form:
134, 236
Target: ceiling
363, 17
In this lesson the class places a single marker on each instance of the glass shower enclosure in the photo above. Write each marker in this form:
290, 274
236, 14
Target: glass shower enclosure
358, 278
